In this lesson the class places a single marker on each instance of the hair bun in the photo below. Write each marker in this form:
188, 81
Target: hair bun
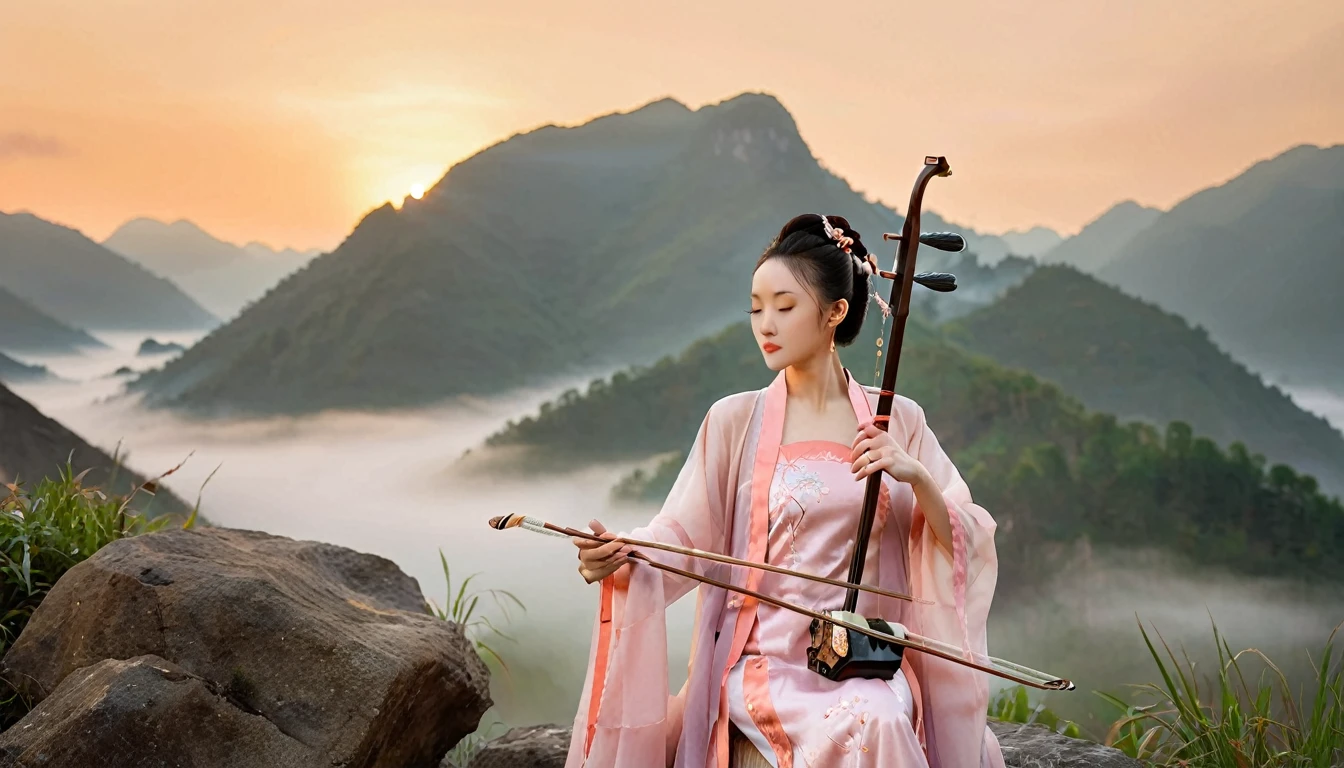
812, 243
812, 224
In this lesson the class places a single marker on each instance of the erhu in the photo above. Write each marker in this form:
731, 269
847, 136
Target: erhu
836, 652
843, 643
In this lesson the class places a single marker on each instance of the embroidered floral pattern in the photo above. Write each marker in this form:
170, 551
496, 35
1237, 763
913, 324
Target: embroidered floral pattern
795, 487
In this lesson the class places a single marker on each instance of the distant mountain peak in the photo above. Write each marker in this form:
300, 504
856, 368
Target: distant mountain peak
1098, 242
1032, 242
756, 109
664, 106
84, 284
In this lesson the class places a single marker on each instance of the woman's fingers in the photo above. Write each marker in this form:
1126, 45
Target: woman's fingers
863, 446
879, 463
600, 559
598, 529
592, 572
601, 553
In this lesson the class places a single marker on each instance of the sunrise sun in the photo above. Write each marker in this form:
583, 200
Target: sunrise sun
417, 191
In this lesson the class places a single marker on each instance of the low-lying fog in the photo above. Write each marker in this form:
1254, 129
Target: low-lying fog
380, 484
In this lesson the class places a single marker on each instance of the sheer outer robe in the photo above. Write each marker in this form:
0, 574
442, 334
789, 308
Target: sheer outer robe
719, 504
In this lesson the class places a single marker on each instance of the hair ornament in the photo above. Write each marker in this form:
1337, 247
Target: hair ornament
843, 241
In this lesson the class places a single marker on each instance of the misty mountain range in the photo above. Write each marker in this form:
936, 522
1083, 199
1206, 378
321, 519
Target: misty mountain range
221, 276
25, 328
14, 372
1036, 241
1258, 261
1127, 357
1052, 471
620, 240
1100, 241
553, 251
630, 236
83, 285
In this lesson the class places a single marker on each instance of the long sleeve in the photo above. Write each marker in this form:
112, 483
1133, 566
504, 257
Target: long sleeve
962, 586
622, 718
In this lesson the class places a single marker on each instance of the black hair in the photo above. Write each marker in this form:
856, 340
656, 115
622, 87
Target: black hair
819, 262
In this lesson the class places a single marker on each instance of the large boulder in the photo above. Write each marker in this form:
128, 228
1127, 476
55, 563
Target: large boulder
1035, 746
144, 712
333, 647
538, 746
1024, 746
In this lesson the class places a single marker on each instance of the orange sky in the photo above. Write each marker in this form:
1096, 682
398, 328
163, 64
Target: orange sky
285, 120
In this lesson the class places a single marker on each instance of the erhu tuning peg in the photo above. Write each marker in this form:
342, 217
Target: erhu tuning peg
943, 282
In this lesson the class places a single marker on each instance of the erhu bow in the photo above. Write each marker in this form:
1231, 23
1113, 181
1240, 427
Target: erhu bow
875, 631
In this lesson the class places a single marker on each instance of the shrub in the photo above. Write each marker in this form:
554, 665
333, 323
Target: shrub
1232, 725
44, 532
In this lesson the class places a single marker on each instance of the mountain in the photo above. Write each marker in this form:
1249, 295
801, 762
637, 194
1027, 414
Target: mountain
989, 249
1034, 242
1055, 476
1124, 356
25, 328
222, 276
978, 285
1257, 261
554, 251
84, 285
15, 372
152, 346
1102, 238
36, 446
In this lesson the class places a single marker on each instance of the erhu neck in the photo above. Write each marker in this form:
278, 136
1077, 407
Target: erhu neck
900, 301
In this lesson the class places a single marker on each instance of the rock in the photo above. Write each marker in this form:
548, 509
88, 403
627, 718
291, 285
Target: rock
153, 346
145, 712
1035, 746
537, 746
333, 647
1024, 746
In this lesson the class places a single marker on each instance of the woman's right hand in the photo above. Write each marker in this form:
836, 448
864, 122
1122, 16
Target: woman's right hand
597, 560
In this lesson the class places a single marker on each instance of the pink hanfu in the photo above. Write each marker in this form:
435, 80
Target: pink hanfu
744, 494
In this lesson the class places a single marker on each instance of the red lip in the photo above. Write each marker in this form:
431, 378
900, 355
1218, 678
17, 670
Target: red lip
770, 346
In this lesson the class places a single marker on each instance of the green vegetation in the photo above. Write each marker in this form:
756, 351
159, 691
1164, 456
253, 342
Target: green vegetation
1050, 471
1011, 705
44, 532
648, 410
1131, 485
1230, 722
1123, 356
461, 609
1233, 724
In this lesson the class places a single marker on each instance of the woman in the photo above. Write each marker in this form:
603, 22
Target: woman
778, 476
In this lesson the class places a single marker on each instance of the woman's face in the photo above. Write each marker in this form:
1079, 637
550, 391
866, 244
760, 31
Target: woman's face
788, 323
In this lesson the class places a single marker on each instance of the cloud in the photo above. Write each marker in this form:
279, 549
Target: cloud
16, 144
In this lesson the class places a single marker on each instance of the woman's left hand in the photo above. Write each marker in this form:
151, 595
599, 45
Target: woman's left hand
875, 450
